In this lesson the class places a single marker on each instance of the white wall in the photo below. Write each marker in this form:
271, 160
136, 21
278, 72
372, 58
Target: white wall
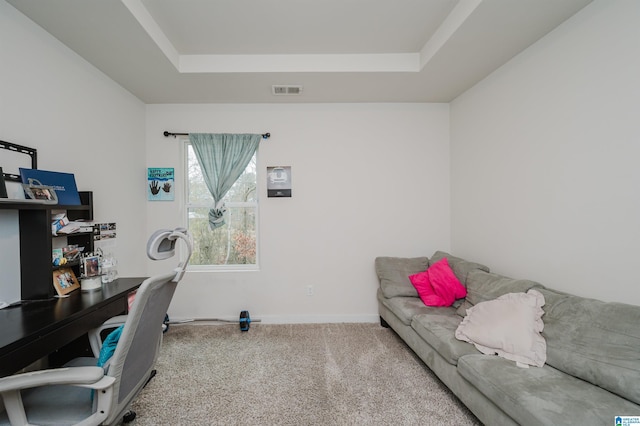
368, 180
80, 122
545, 176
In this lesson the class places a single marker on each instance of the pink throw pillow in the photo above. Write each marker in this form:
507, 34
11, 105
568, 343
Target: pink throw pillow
444, 282
425, 290
438, 285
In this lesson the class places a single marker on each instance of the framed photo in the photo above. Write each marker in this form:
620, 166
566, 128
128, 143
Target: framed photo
65, 281
91, 266
279, 181
40, 192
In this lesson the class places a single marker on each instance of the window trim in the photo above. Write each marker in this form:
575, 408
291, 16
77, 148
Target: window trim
185, 216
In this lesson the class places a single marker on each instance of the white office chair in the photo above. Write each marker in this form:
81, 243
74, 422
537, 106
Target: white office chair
81, 393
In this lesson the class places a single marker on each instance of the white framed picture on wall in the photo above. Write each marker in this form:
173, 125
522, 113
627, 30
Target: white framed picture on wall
279, 181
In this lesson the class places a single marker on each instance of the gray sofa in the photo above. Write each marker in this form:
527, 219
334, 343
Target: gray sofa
592, 369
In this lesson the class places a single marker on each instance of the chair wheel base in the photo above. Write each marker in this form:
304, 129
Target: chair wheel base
128, 417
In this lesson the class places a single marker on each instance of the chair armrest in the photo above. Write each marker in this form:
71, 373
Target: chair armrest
87, 377
84, 376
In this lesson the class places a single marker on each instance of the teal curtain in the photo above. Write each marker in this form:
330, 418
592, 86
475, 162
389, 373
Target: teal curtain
222, 157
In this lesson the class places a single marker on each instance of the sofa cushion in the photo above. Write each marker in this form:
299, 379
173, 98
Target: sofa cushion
393, 273
542, 396
596, 341
508, 326
459, 266
438, 331
438, 285
483, 286
405, 308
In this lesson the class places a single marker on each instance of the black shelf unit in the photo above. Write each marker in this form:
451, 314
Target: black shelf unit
82, 239
36, 243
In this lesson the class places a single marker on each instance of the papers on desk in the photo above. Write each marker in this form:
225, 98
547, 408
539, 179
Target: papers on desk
61, 225
70, 228
58, 222
73, 227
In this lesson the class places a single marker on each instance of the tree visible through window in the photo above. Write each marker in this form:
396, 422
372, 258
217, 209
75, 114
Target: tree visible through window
234, 243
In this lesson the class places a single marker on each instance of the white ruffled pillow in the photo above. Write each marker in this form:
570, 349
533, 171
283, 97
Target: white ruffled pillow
508, 326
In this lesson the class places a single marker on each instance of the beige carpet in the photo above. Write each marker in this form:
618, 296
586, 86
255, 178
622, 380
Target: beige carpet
311, 374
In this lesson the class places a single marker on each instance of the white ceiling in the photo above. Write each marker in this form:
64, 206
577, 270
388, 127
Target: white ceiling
212, 51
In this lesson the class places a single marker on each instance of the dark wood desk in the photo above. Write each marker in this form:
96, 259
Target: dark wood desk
35, 329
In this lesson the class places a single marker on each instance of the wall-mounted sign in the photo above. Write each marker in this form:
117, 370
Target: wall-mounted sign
279, 181
160, 184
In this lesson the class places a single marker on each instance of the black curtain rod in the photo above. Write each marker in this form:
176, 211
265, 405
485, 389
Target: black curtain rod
167, 134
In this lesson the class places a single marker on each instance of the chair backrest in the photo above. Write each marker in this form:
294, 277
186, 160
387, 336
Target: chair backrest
138, 347
137, 351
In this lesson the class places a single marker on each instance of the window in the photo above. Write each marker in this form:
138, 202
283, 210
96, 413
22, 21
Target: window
233, 245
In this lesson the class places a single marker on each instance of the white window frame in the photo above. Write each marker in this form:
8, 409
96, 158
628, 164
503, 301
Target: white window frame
186, 206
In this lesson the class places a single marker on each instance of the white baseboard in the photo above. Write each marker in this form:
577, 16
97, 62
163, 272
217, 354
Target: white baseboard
286, 319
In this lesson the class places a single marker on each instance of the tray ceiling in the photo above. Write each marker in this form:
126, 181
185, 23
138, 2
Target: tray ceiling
212, 51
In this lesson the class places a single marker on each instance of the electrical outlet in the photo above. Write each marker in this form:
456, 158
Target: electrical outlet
309, 290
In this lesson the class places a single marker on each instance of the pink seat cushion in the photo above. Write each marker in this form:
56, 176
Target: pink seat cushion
438, 285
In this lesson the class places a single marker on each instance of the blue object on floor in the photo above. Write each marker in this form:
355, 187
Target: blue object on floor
245, 321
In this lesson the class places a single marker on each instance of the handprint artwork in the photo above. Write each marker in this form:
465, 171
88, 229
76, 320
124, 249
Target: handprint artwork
160, 184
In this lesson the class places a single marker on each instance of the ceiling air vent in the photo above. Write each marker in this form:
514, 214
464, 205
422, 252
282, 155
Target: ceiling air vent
286, 90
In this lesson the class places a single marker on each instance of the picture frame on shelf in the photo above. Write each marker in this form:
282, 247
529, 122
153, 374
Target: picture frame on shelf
91, 266
40, 192
65, 281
